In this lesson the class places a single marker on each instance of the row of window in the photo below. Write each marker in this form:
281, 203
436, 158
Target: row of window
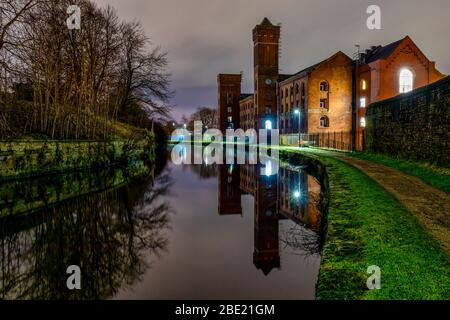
323, 87
323, 104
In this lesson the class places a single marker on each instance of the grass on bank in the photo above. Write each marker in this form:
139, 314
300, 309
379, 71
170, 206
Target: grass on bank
437, 177
368, 226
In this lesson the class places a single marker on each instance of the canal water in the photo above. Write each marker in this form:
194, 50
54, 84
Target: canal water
185, 232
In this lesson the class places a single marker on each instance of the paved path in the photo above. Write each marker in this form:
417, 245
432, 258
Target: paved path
430, 205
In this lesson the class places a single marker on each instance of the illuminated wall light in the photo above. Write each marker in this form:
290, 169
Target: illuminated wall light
362, 121
362, 102
363, 85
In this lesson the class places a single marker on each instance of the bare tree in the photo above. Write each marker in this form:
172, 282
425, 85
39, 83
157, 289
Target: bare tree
81, 80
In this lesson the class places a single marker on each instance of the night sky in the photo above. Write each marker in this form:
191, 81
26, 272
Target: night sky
207, 37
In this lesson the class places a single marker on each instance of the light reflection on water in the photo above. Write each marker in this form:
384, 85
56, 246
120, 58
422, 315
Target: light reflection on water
192, 232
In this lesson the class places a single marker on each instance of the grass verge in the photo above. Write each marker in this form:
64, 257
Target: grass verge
437, 177
367, 226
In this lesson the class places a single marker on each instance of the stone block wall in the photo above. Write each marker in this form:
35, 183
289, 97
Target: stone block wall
30, 158
413, 126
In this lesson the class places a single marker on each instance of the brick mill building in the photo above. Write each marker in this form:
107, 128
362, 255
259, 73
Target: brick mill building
322, 100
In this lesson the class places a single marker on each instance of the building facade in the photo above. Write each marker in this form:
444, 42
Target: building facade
325, 102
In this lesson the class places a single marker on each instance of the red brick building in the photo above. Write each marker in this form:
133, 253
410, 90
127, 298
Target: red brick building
327, 98
385, 72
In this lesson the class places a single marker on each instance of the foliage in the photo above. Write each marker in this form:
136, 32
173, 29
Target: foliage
367, 226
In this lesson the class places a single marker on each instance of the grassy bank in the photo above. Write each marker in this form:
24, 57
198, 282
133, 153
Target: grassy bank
367, 226
437, 177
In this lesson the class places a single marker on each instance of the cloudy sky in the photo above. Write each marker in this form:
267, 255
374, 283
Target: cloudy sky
207, 37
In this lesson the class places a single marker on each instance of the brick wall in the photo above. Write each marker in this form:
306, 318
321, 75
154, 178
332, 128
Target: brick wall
413, 126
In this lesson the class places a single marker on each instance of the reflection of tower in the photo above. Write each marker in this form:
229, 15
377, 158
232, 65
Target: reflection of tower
266, 38
266, 255
229, 194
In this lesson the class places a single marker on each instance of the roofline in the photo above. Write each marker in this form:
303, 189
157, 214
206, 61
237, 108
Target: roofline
312, 68
251, 97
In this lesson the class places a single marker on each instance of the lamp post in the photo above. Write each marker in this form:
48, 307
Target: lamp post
297, 113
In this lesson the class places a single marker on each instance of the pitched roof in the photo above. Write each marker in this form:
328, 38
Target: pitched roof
381, 52
311, 68
266, 22
245, 96
282, 77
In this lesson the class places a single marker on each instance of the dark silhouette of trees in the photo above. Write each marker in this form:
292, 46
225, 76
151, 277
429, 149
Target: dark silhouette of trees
81, 81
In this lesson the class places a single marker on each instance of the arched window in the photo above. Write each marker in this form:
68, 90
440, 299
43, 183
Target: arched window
324, 86
268, 125
406, 81
324, 122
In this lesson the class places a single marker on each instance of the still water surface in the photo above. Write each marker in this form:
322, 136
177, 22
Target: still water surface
188, 232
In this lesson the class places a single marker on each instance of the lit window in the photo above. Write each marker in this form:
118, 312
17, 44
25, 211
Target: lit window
363, 85
268, 125
363, 122
324, 122
406, 81
229, 109
230, 119
362, 102
324, 86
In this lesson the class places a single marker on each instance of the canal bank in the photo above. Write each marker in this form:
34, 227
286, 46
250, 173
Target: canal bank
367, 226
29, 158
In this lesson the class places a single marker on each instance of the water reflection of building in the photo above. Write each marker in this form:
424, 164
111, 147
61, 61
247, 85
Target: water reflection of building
229, 193
299, 196
288, 193
266, 254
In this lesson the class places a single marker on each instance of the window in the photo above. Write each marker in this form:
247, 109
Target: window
362, 102
297, 89
268, 110
303, 89
229, 109
362, 122
230, 119
406, 81
324, 86
363, 85
229, 98
324, 103
268, 125
324, 122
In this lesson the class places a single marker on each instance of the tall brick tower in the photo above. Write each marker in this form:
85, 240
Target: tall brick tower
229, 92
266, 38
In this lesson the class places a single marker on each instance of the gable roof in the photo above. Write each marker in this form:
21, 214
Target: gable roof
382, 52
310, 69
